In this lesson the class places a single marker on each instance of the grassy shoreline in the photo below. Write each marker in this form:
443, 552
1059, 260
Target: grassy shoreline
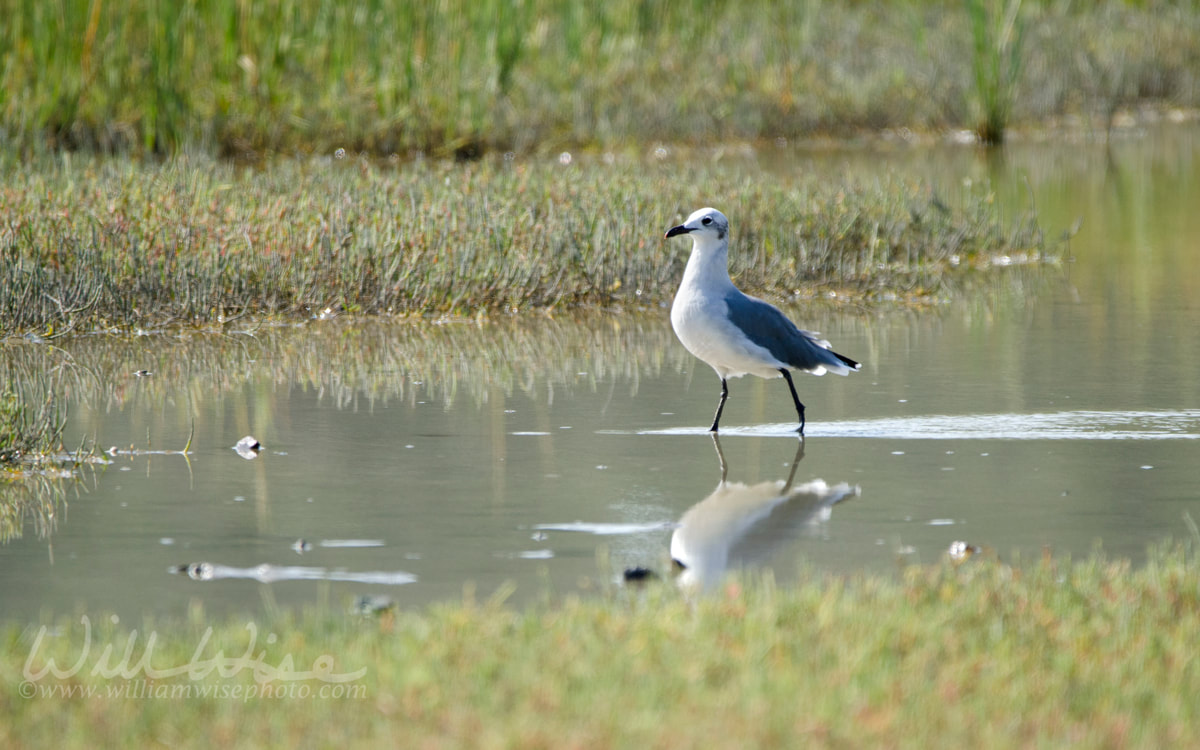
1054, 652
96, 244
466, 78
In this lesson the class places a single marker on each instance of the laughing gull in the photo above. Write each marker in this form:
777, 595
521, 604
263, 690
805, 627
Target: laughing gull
733, 333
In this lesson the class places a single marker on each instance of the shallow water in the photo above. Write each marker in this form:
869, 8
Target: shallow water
415, 462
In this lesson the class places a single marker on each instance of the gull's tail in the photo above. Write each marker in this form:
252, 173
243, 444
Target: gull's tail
811, 353
849, 362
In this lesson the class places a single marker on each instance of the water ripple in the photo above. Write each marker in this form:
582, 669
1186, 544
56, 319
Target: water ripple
1065, 425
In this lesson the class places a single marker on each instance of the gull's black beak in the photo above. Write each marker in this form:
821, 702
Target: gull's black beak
673, 231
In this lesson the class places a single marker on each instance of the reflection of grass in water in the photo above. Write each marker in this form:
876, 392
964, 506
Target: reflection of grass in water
464, 76
32, 422
106, 243
1090, 653
29, 425
30, 499
357, 362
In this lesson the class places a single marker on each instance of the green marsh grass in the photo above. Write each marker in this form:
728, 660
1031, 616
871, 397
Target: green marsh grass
998, 33
456, 77
115, 244
1054, 653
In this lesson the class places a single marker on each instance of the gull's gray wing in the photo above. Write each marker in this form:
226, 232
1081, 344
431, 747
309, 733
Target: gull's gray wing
769, 328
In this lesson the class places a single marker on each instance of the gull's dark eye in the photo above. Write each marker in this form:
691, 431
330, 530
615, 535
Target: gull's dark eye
706, 220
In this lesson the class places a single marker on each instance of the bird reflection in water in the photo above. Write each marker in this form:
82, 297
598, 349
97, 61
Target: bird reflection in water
740, 525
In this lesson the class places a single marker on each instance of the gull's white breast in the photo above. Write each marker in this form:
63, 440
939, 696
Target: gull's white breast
703, 326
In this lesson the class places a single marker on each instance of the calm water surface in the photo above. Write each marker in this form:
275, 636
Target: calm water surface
1058, 411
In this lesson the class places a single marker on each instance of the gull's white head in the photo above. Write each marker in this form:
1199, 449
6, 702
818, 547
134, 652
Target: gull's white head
705, 225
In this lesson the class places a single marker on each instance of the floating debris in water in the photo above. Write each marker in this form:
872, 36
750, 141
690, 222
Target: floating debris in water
639, 575
300, 546
351, 543
197, 571
961, 551
268, 573
248, 447
606, 529
529, 554
368, 604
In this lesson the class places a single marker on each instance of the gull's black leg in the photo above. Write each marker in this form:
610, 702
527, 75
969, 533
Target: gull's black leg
720, 406
799, 406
